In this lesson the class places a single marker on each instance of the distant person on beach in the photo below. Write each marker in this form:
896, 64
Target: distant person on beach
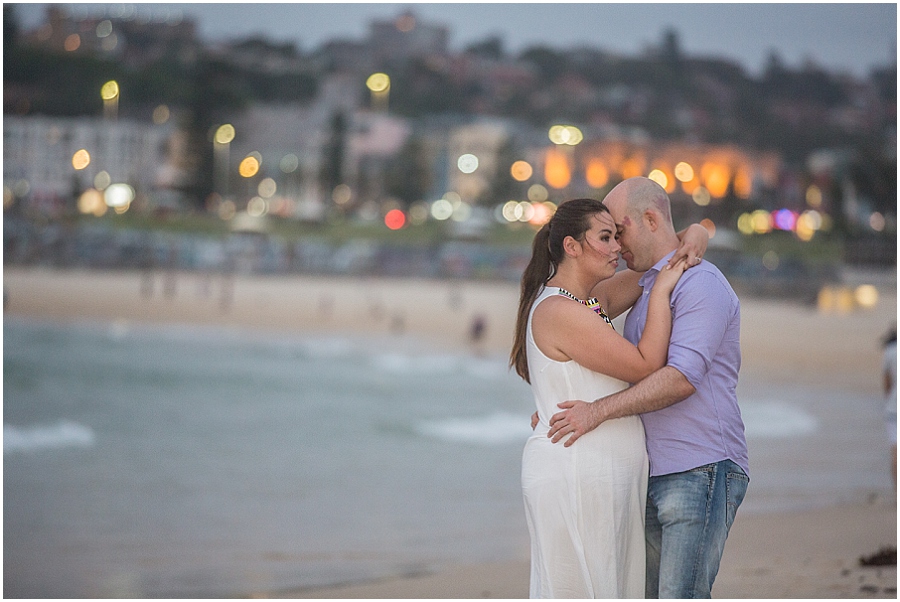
695, 435
889, 371
585, 505
477, 330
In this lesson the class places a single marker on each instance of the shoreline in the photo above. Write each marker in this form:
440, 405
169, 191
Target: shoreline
438, 311
789, 341
809, 553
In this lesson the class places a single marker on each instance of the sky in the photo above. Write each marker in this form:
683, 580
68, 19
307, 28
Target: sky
849, 37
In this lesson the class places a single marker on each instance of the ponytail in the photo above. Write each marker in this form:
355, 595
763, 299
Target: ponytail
539, 270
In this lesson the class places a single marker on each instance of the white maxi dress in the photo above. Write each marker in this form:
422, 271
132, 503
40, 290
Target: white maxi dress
584, 504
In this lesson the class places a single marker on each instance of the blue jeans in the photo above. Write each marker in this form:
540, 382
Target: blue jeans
689, 515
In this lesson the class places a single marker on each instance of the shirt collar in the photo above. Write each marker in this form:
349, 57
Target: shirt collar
652, 272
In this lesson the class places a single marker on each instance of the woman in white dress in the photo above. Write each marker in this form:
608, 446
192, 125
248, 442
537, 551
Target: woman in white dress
585, 503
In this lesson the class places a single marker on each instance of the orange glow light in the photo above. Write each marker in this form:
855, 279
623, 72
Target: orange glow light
743, 183
91, 202
249, 167
596, 174
521, 171
814, 196
715, 178
81, 159
556, 169
632, 168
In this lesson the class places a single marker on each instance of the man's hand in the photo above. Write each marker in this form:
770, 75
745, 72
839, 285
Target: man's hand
577, 418
534, 420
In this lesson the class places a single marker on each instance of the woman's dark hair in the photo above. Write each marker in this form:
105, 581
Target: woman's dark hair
572, 218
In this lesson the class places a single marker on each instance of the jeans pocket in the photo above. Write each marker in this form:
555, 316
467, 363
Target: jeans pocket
736, 483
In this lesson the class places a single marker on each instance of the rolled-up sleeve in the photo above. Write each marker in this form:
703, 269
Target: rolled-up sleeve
702, 312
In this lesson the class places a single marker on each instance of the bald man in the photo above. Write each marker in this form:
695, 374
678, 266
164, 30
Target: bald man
694, 431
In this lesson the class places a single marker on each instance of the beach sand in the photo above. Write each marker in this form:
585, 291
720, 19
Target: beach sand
798, 554
811, 554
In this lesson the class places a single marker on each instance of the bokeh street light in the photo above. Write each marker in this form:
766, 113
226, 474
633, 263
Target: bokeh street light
221, 151
701, 196
684, 172
395, 219
225, 134
81, 159
565, 135
110, 95
521, 171
659, 177
467, 163
102, 180
119, 197
91, 202
249, 167
379, 84
537, 193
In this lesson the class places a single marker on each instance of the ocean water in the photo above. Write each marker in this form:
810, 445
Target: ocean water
173, 461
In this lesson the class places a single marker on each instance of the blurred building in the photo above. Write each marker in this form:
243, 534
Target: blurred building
51, 160
489, 107
129, 33
495, 82
477, 143
374, 139
288, 140
291, 140
259, 55
406, 38
395, 41
346, 56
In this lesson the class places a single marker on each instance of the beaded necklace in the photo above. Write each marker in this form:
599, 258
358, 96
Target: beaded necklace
592, 303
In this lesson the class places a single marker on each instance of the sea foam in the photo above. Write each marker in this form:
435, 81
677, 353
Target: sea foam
766, 420
33, 438
491, 429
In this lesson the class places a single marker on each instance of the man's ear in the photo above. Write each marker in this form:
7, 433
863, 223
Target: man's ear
652, 220
571, 246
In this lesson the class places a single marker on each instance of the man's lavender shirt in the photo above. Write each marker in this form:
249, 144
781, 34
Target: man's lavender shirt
705, 347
